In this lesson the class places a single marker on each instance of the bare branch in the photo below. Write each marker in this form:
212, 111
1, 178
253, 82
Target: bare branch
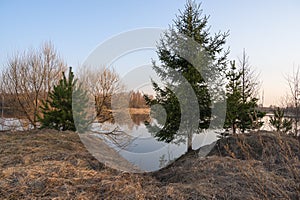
102, 84
293, 84
28, 77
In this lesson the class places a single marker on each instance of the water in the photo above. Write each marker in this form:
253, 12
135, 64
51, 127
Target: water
141, 149
133, 142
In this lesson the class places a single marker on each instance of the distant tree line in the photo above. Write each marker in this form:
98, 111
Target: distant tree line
137, 100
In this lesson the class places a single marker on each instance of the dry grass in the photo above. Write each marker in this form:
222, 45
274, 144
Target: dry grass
133, 111
139, 111
47, 164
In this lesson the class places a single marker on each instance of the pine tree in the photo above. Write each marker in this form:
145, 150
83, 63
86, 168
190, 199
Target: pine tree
81, 108
189, 24
57, 110
249, 114
234, 98
242, 112
279, 122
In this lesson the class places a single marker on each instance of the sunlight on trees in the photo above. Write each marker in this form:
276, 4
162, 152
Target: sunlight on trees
59, 111
102, 83
27, 79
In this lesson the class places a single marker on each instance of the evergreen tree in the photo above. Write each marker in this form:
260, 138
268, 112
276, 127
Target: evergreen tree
57, 110
82, 108
234, 97
190, 24
242, 112
250, 116
279, 122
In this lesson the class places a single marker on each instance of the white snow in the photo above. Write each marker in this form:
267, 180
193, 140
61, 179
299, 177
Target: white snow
14, 124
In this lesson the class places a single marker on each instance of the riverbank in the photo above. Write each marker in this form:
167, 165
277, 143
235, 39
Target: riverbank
49, 164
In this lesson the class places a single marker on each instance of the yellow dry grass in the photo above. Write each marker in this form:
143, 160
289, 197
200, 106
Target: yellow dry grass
47, 164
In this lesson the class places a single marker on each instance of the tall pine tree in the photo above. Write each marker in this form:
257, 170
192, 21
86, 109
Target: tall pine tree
190, 25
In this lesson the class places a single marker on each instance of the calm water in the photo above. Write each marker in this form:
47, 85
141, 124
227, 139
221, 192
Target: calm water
143, 150
137, 145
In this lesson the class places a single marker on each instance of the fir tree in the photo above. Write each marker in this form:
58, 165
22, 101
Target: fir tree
57, 110
189, 24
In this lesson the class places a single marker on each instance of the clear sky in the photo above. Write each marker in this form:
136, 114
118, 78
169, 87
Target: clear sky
269, 30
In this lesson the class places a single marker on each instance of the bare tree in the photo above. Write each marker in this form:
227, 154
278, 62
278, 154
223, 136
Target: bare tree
249, 78
102, 84
29, 76
293, 81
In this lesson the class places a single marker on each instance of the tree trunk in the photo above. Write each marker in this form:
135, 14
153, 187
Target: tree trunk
189, 142
233, 128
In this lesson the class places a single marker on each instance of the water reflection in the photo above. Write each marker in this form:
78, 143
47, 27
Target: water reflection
140, 148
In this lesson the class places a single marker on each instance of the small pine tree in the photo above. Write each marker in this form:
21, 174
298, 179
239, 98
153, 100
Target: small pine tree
279, 123
250, 116
242, 112
234, 97
82, 116
57, 110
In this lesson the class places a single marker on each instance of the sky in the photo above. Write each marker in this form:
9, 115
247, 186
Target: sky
268, 30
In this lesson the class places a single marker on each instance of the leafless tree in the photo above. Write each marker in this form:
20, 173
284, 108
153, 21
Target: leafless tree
102, 84
284, 101
293, 81
249, 78
29, 76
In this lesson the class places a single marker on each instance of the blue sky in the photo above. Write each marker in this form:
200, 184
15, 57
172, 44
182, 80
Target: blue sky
269, 30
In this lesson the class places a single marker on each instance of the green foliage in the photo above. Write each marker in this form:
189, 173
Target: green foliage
167, 99
242, 112
234, 97
279, 122
80, 108
190, 24
57, 110
250, 115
